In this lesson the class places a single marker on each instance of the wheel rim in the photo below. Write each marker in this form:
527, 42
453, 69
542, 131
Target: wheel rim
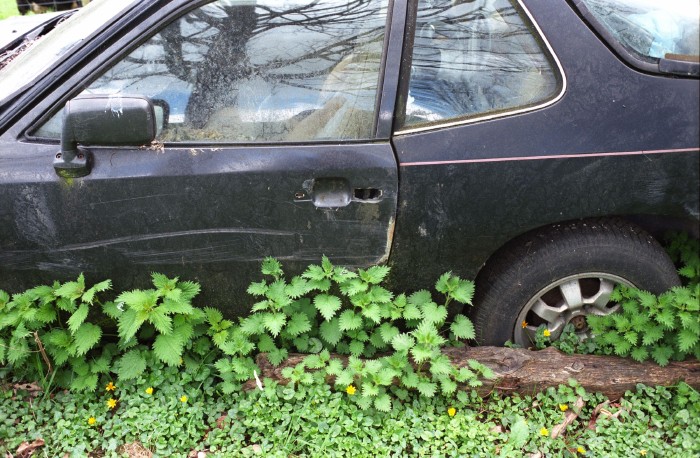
565, 301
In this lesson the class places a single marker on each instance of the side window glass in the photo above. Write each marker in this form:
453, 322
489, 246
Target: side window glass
472, 58
265, 71
651, 29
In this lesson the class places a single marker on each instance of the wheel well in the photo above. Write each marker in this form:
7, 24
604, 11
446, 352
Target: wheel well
654, 225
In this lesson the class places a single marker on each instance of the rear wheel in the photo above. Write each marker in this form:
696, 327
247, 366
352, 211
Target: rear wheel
562, 274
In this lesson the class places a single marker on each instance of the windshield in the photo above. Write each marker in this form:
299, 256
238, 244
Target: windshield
46, 51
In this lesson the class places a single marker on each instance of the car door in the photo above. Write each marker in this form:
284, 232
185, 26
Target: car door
269, 148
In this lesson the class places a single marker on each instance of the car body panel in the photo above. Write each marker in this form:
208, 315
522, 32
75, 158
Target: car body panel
451, 196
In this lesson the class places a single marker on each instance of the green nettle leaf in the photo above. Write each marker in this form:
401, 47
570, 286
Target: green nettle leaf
374, 274
327, 305
433, 313
349, 321
335, 367
254, 324
373, 312
427, 388
622, 347
276, 356
298, 324
3, 344
388, 332
274, 322
219, 338
687, 339
86, 337
111, 310
420, 298
162, 282
380, 295
369, 389
345, 378
131, 365
257, 289
639, 354
172, 306
89, 295
353, 287
402, 342
266, 344
412, 312
271, 266
383, 403
652, 334
356, 347
168, 348
662, 354
440, 365
667, 318
160, 320
464, 293
188, 290
297, 288
447, 386
462, 328
77, 318
443, 283
330, 331
631, 337
139, 299
71, 289
646, 299
314, 272
421, 353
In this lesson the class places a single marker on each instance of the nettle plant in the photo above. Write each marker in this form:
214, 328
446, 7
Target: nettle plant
331, 309
665, 327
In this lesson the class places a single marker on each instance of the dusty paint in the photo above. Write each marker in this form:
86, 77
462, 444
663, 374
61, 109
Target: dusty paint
389, 241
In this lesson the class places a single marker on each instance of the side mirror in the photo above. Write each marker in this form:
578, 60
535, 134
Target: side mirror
106, 121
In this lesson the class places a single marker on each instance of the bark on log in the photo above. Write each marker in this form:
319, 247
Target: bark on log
526, 372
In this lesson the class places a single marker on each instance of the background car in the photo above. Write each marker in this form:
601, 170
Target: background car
537, 146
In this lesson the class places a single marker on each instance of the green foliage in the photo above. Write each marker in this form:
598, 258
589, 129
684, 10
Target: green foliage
662, 328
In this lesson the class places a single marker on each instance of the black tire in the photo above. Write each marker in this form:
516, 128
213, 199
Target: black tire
558, 261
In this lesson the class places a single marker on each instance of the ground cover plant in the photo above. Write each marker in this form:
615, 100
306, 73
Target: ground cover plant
148, 372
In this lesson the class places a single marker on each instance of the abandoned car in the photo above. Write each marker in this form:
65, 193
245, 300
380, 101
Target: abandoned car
538, 146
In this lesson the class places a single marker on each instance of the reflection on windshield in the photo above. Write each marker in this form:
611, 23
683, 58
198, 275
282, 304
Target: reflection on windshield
46, 51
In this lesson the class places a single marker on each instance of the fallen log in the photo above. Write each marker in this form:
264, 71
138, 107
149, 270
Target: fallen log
518, 370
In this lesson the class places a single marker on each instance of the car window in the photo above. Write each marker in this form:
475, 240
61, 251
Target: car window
473, 58
651, 29
265, 71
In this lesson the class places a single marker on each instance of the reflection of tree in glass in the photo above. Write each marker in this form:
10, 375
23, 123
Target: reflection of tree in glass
215, 47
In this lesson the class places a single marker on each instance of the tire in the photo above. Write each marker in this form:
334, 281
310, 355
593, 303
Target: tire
560, 274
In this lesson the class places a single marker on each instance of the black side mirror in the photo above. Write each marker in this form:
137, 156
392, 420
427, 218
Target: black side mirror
106, 121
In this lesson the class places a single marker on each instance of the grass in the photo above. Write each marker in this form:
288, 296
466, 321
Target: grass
8, 8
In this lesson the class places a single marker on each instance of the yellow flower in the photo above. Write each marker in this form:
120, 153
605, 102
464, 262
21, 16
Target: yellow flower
581, 450
546, 333
643, 452
183, 399
544, 432
111, 403
92, 421
524, 324
149, 390
350, 390
110, 387
563, 407
451, 411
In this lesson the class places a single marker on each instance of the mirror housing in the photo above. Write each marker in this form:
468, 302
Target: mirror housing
104, 120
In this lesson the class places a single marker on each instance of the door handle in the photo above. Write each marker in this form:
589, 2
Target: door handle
331, 193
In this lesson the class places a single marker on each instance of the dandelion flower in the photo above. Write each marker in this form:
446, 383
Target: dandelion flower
111, 403
544, 432
149, 390
92, 421
643, 452
546, 333
451, 411
581, 450
183, 399
350, 390
524, 324
563, 407
110, 387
